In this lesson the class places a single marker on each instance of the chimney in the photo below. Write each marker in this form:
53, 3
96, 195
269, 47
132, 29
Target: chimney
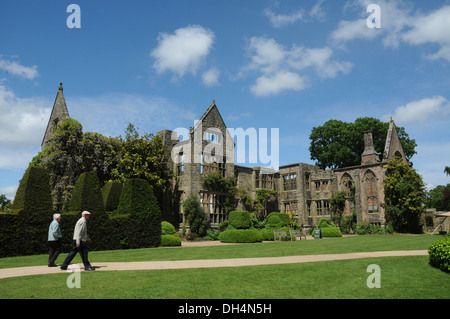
369, 156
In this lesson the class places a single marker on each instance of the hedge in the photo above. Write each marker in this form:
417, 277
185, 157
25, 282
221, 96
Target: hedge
138, 200
250, 235
87, 196
239, 219
111, 192
439, 252
34, 208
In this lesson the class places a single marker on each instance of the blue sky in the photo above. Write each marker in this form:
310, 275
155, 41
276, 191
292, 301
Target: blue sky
291, 65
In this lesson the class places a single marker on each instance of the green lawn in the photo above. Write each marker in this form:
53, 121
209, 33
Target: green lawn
401, 277
366, 243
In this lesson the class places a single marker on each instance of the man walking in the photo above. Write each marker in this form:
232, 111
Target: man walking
54, 240
80, 238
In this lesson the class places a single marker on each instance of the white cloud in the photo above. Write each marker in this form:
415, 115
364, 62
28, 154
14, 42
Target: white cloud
422, 110
183, 51
211, 77
9, 191
274, 84
281, 20
432, 28
398, 24
23, 120
17, 69
280, 67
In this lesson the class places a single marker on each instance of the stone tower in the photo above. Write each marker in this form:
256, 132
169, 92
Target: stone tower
59, 113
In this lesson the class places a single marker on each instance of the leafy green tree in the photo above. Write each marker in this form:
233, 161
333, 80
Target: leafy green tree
142, 157
196, 216
404, 197
337, 203
439, 197
223, 186
71, 152
337, 144
4, 202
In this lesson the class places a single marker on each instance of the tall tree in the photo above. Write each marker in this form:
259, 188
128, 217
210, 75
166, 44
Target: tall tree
142, 157
337, 144
404, 192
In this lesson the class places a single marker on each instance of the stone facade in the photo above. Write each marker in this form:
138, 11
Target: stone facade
304, 190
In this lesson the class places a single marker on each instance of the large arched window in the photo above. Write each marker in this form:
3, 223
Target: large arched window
371, 192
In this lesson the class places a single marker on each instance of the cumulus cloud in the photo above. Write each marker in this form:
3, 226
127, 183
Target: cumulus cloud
275, 83
422, 110
211, 77
17, 69
184, 51
23, 120
399, 24
432, 28
280, 67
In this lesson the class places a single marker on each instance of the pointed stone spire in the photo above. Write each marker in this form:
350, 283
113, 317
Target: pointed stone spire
393, 147
59, 113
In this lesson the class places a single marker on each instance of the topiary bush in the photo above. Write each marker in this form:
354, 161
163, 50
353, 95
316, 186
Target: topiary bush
239, 219
277, 220
250, 235
328, 229
439, 252
111, 192
137, 200
34, 208
87, 196
169, 236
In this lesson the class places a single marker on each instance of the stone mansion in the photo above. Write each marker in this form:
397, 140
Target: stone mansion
304, 190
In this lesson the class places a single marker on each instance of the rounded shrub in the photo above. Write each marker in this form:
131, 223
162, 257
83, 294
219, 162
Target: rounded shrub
167, 228
277, 220
239, 219
439, 252
170, 240
250, 235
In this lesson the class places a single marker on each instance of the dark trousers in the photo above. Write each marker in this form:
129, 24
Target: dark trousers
83, 253
54, 248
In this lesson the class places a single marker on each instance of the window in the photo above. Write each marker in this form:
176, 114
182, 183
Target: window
371, 192
214, 167
212, 137
213, 207
291, 208
267, 181
180, 165
289, 182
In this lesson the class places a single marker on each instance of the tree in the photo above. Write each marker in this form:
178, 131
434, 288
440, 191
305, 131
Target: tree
337, 203
196, 216
447, 170
338, 144
439, 198
404, 197
4, 202
142, 157
71, 152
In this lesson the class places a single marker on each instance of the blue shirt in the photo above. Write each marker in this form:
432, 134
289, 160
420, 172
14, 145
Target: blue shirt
54, 231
